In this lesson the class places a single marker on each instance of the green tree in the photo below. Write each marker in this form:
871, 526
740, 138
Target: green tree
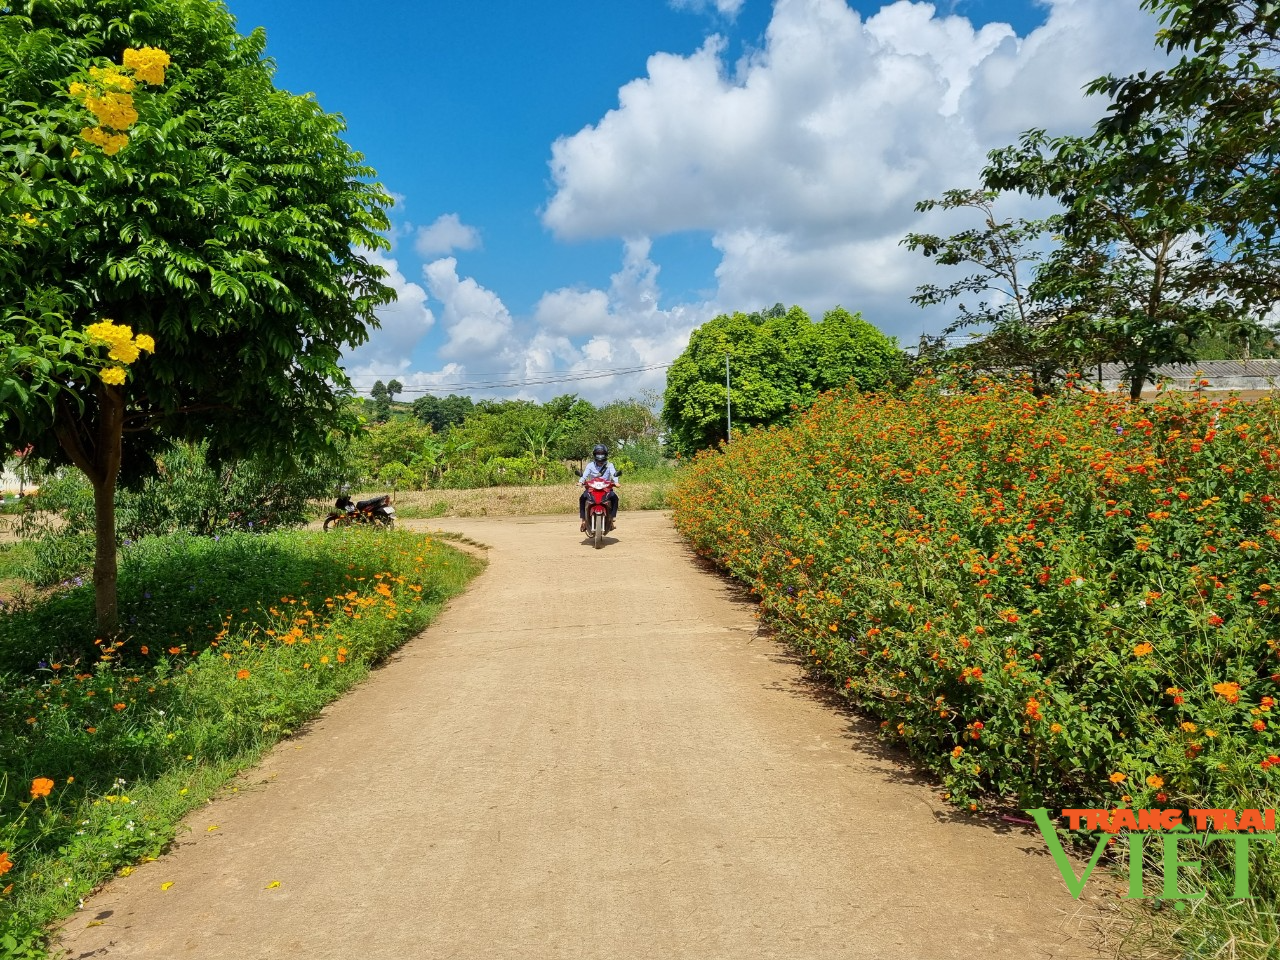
442, 412
778, 360
1169, 228
394, 387
229, 227
381, 402
1012, 330
1124, 278
1204, 128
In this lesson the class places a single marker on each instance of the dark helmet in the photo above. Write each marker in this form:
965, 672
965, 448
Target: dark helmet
600, 454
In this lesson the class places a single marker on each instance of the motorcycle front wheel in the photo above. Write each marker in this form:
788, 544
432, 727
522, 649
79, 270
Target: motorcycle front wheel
333, 520
598, 530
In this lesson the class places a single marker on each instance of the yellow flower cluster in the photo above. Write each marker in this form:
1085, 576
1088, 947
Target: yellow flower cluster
124, 347
148, 64
109, 98
113, 109
111, 143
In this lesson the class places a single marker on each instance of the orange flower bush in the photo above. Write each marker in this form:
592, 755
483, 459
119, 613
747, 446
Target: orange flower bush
1074, 589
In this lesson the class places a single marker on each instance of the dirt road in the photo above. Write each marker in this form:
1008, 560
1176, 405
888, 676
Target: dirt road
590, 755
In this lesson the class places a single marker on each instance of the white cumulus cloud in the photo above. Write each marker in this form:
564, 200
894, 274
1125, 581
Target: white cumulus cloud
727, 8
446, 235
403, 324
804, 159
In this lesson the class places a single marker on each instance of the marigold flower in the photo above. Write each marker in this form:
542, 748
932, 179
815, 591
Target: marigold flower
1188, 727
41, 787
112, 375
1118, 777
5, 863
1154, 782
242, 674
957, 751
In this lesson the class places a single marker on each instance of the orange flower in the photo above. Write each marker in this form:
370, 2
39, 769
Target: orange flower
1229, 691
1142, 649
5, 863
242, 674
118, 707
1154, 782
1117, 777
41, 787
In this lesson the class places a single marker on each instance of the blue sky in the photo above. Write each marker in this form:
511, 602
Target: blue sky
580, 184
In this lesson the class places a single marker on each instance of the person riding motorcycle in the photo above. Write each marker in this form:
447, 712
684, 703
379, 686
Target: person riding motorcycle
599, 467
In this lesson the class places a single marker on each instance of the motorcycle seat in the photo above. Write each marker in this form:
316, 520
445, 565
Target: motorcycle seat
364, 504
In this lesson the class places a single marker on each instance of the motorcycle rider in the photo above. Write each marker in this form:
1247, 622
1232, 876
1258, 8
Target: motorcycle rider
600, 466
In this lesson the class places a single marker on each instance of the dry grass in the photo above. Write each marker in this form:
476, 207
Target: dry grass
515, 501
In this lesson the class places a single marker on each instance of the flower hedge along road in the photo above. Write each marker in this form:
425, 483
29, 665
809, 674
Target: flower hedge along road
1069, 601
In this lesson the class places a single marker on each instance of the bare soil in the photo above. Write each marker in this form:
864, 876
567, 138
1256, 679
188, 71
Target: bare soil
590, 754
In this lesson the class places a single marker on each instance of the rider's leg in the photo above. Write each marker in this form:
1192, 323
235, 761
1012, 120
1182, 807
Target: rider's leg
582, 511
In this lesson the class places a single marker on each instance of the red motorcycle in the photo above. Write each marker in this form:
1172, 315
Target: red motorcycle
377, 511
598, 520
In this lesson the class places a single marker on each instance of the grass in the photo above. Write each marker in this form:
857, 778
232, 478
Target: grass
228, 646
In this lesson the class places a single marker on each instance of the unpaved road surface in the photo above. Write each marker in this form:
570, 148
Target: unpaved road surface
591, 754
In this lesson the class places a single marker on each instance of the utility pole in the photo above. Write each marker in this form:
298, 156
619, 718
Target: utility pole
728, 403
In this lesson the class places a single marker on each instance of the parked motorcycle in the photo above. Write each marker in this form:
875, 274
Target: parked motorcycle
377, 511
598, 520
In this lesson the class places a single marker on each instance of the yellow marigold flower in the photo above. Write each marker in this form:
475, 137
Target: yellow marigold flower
1142, 649
147, 63
113, 375
1117, 777
1188, 727
125, 352
143, 341
1154, 782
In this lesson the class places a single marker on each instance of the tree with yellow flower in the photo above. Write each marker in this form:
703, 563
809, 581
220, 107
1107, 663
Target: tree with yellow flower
183, 247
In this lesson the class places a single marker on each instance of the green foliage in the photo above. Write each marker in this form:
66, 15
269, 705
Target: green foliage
231, 229
1017, 331
1168, 234
403, 441
779, 361
1203, 129
441, 413
151, 725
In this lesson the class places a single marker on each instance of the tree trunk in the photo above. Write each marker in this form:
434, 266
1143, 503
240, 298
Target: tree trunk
104, 558
1138, 380
97, 454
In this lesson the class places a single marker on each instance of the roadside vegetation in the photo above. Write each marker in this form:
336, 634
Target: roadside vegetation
228, 643
1065, 602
